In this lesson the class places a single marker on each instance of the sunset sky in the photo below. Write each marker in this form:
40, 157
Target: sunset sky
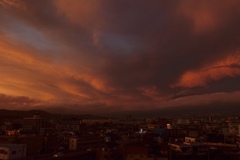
92, 56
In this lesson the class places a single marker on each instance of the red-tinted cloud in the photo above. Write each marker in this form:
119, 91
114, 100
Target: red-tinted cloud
118, 55
228, 67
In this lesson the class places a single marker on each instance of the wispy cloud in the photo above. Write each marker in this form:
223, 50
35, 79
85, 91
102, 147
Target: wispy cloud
118, 55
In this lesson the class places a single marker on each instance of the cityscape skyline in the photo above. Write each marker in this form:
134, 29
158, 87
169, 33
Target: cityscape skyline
104, 56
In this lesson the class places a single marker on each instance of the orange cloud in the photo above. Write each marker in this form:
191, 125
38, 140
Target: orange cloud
18, 102
86, 14
25, 72
228, 67
98, 52
13, 3
152, 93
207, 16
203, 99
80, 12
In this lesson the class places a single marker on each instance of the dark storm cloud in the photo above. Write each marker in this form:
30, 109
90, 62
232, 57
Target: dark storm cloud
177, 47
121, 53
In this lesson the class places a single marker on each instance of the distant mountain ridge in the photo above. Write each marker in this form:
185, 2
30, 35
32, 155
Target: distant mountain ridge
44, 114
23, 114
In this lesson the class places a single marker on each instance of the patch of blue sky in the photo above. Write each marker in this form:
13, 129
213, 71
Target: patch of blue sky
123, 44
26, 34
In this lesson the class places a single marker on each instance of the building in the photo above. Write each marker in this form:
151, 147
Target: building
190, 139
85, 142
70, 124
139, 153
188, 149
34, 124
104, 153
13, 151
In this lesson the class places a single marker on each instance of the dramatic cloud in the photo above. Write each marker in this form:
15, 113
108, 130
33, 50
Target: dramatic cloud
228, 67
18, 102
104, 55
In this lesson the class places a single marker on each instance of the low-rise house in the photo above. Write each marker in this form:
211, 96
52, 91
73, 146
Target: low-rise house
13, 151
138, 152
